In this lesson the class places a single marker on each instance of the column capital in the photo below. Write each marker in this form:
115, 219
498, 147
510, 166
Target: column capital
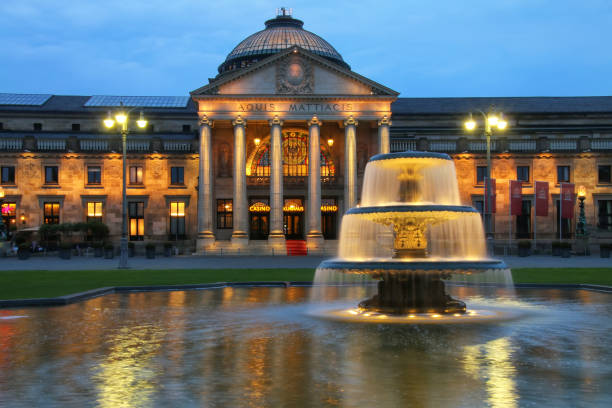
239, 121
351, 121
206, 121
275, 121
314, 121
385, 121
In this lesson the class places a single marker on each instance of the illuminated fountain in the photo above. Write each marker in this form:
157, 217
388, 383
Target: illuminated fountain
410, 233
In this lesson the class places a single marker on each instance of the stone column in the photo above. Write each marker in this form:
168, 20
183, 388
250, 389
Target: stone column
350, 163
206, 235
277, 235
384, 142
240, 234
314, 236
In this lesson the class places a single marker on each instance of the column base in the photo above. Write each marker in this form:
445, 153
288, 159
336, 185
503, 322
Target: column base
315, 243
240, 240
204, 242
277, 242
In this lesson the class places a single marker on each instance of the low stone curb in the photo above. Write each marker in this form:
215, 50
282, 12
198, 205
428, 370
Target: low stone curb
89, 294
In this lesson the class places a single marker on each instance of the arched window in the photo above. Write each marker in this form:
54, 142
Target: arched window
295, 157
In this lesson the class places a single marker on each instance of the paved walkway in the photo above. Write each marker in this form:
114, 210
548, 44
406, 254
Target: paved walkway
243, 262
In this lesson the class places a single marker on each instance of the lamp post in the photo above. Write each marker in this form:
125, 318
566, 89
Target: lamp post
2, 226
581, 225
122, 118
490, 119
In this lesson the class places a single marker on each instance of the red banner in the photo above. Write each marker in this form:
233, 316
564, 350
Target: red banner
567, 200
516, 197
541, 193
490, 198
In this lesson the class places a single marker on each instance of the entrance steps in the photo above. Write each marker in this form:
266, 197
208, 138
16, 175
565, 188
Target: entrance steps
296, 247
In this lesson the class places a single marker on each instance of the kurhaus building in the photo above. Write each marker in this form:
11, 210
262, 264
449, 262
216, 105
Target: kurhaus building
273, 149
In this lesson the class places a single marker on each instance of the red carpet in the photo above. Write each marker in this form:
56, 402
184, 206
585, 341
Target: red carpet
296, 247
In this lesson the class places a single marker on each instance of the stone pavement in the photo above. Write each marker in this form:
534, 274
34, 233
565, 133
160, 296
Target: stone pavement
243, 262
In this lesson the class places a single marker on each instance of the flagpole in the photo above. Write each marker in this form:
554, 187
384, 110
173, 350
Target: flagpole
535, 217
560, 211
510, 218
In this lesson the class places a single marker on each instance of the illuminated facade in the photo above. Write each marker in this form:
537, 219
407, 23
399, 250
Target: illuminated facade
274, 148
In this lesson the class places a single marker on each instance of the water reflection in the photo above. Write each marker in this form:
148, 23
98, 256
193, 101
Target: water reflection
258, 347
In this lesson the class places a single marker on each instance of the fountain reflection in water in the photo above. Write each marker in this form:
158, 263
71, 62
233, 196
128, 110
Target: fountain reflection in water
409, 236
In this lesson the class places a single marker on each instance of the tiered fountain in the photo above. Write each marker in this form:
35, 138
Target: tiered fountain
410, 233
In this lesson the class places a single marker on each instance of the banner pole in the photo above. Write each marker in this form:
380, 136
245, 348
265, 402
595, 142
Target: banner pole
510, 218
560, 211
535, 217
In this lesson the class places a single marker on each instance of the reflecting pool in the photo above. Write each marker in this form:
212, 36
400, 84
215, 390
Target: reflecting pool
260, 347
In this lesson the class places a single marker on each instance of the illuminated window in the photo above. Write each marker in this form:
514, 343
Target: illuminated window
563, 174
94, 175
51, 174
522, 173
8, 174
136, 173
94, 211
8, 212
136, 220
177, 220
177, 175
51, 213
225, 214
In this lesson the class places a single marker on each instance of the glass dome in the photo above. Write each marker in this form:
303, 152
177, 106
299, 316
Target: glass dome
280, 33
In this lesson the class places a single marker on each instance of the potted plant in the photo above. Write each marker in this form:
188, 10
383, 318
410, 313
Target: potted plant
556, 248
131, 249
98, 247
524, 248
65, 250
167, 249
109, 251
566, 247
23, 251
604, 249
150, 250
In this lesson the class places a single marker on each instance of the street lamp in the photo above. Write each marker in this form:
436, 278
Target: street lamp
122, 118
2, 226
581, 225
490, 119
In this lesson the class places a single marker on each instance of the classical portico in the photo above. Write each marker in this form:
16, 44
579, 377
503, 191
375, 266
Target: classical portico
299, 126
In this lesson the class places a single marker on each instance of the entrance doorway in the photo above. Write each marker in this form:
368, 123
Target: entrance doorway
293, 218
259, 216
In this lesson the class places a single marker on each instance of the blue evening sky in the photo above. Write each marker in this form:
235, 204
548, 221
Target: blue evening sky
417, 47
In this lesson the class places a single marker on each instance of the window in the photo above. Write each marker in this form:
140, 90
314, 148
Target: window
604, 214
94, 211
479, 206
186, 128
522, 173
51, 213
151, 128
38, 126
224, 214
563, 174
177, 175
481, 173
51, 174
76, 127
94, 175
523, 221
1, 126
177, 220
8, 212
136, 174
8, 174
604, 174
136, 220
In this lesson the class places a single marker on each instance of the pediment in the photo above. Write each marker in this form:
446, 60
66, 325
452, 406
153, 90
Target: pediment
295, 72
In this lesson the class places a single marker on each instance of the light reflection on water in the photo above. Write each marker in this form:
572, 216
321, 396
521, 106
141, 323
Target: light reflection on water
258, 347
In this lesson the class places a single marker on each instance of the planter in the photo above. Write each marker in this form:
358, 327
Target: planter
98, 252
604, 251
523, 252
150, 252
23, 255
65, 253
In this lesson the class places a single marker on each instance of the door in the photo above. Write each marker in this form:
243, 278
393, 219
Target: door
293, 225
260, 225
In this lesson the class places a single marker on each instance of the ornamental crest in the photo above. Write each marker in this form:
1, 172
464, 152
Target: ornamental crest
294, 76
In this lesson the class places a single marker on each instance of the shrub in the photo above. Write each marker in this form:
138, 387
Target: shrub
109, 247
524, 244
150, 246
66, 246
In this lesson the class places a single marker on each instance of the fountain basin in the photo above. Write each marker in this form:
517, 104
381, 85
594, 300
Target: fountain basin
393, 265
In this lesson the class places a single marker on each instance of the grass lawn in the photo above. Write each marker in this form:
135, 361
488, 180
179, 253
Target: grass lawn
33, 284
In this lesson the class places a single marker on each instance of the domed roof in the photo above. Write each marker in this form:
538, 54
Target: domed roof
280, 33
